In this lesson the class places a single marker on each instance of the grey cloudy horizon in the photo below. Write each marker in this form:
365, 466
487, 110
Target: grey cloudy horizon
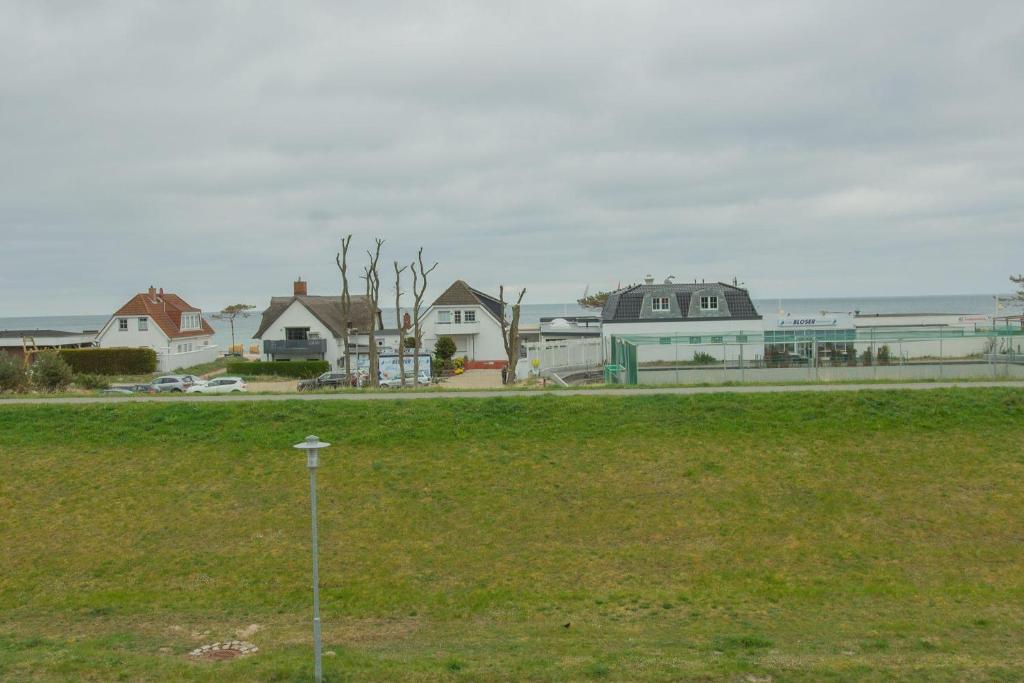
219, 149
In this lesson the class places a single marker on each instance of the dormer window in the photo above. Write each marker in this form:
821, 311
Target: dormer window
709, 303
190, 321
458, 317
659, 303
469, 316
143, 324
444, 317
122, 324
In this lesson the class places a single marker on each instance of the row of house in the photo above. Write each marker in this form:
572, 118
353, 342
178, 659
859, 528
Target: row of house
307, 326
302, 326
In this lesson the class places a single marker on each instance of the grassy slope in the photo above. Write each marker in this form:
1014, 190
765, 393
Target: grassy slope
866, 536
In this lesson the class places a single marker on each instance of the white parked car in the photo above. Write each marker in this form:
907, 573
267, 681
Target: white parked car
219, 385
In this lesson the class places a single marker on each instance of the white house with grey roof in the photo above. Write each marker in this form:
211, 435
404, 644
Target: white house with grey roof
703, 312
472, 319
310, 327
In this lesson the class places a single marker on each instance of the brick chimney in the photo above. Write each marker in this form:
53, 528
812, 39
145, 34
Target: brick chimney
299, 288
152, 293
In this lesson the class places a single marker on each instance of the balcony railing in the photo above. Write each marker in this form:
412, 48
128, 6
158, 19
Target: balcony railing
272, 346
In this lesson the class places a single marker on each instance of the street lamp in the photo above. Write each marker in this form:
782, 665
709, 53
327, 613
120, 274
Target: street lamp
312, 446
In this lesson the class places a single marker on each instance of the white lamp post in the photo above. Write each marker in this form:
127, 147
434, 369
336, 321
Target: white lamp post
312, 446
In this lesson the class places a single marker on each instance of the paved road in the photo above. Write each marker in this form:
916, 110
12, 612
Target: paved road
455, 395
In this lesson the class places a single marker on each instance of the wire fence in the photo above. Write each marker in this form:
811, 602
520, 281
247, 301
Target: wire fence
816, 355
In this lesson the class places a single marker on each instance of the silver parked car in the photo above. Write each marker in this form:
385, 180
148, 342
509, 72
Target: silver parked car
170, 384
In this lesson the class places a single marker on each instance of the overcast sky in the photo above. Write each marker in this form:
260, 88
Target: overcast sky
221, 149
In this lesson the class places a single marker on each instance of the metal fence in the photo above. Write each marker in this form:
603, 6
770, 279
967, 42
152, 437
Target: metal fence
570, 354
816, 355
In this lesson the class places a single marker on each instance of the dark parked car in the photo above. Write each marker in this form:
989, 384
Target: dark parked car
328, 380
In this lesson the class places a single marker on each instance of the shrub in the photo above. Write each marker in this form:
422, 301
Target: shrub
703, 358
410, 342
50, 372
884, 354
444, 348
866, 357
301, 369
116, 361
87, 381
12, 373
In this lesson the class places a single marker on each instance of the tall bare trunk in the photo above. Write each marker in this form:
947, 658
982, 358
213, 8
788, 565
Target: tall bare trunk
398, 321
346, 304
419, 290
510, 334
372, 275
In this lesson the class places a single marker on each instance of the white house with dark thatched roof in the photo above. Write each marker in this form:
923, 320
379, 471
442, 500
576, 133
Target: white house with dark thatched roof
310, 327
472, 319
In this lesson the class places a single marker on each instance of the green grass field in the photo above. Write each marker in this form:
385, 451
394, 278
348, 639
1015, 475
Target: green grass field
802, 537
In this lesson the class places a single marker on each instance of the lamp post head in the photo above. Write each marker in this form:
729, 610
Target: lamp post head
312, 446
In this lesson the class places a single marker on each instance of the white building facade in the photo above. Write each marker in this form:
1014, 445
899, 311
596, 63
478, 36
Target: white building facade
310, 327
472, 319
704, 315
165, 323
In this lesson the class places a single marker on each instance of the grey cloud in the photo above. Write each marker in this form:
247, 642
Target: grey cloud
810, 148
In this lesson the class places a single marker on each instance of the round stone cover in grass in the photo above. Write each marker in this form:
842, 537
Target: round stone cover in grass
221, 651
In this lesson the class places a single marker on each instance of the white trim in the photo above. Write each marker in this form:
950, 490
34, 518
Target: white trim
709, 298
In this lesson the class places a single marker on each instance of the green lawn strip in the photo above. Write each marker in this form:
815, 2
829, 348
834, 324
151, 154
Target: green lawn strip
805, 536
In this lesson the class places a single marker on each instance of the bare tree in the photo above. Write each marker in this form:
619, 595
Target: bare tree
341, 258
372, 276
419, 289
510, 333
398, 320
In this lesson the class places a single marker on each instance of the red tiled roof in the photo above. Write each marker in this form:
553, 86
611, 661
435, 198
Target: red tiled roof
165, 310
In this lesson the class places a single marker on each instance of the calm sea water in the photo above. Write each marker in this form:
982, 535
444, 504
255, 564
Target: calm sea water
532, 313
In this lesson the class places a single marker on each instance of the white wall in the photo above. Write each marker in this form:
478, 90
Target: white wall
152, 338
479, 341
166, 362
297, 315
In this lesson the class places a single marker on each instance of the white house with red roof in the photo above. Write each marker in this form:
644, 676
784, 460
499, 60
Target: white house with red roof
165, 323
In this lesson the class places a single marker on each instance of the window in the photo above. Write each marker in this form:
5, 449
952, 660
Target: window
695, 340
444, 317
717, 340
659, 303
191, 321
143, 324
469, 316
742, 338
709, 303
122, 324
458, 317
296, 333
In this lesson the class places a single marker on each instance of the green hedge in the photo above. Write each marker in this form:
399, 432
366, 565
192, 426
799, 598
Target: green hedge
303, 369
120, 361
